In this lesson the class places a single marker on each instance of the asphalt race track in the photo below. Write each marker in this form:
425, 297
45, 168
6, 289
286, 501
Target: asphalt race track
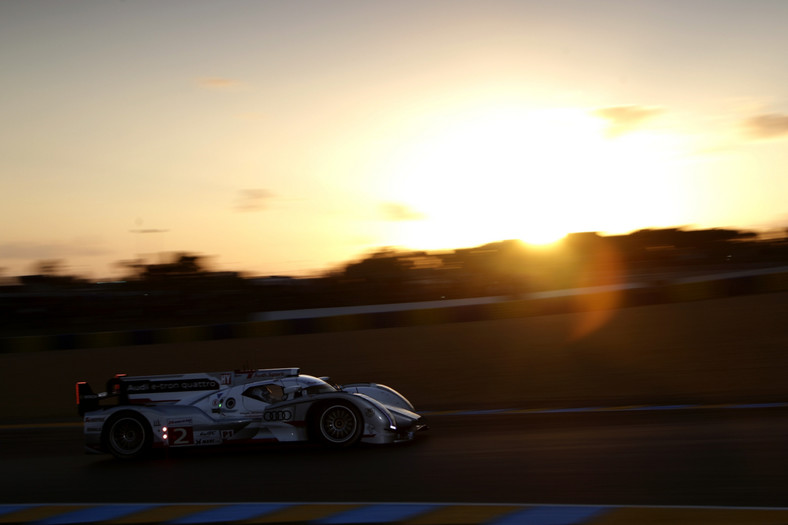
722, 457
707, 355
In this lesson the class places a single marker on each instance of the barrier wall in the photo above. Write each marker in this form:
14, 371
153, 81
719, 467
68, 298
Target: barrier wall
534, 305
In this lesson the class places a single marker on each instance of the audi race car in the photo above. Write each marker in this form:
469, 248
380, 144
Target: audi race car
240, 407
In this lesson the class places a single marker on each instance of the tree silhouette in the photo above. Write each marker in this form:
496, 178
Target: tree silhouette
49, 267
183, 264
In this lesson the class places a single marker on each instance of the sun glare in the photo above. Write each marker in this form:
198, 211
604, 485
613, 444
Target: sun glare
529, 175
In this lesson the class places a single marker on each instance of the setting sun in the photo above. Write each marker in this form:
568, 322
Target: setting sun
535, 175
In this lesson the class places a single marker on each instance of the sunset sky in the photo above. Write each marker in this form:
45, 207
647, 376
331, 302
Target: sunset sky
290, 137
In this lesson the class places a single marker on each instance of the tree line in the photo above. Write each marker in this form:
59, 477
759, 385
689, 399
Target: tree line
184, 290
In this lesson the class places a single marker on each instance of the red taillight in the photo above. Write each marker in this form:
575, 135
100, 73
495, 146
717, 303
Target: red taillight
79, 383
116, 386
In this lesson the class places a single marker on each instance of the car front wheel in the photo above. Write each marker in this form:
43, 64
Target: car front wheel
339, 424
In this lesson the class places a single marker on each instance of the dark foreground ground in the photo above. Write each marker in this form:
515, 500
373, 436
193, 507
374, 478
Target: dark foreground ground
720, 457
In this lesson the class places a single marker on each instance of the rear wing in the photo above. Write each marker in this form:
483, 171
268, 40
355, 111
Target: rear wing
170, 389
88, 401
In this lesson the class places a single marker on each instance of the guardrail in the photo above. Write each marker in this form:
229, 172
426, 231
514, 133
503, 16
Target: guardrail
296, 322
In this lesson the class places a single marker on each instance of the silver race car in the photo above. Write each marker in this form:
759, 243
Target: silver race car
240, 407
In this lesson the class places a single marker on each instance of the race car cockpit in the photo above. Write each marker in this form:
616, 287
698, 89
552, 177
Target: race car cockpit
268, 393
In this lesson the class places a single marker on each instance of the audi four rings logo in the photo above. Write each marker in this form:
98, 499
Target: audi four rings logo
278, 415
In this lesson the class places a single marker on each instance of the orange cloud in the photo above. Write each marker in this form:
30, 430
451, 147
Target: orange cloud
394, 211
35, 250
625, 119
218, 83
766, 126
253, 200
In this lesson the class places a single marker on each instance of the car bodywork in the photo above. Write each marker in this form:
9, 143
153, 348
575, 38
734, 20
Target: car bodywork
240, 407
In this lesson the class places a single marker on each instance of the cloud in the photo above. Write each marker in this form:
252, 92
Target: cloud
766, 126
218, 83
625, 119
252, 115
253, 200
394, 211
33, 250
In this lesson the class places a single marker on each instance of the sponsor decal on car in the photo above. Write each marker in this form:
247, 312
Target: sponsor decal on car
189, 385
278, 415
179, 421
207, 437
184, 436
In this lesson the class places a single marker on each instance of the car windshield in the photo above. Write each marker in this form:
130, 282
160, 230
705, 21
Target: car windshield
321, 388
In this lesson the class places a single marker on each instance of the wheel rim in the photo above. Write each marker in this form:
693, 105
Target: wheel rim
127, 436
338, 424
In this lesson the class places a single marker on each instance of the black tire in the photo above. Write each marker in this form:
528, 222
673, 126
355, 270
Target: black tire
337, 424
127, 435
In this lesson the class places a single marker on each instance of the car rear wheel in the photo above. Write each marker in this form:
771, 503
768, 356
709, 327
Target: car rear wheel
339, 424
128, 435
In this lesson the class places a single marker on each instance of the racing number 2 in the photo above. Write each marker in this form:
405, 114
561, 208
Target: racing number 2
179, 436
